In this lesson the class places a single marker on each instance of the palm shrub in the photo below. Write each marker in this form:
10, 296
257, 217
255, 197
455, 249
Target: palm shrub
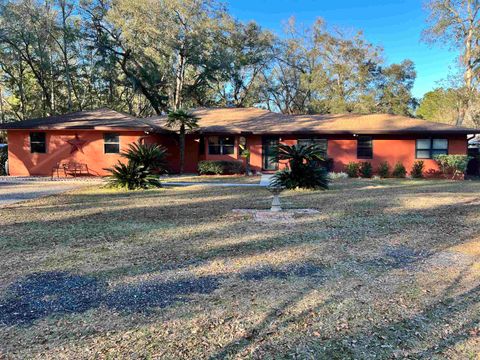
352, 169
417, 169
302, 167
137, 173
383, 170
365, 169
399, 170
151, 156
132, 176
184, 121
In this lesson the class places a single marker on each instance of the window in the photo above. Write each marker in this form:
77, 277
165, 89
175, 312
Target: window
111, 143
364, 147
221, 145
428, 148
322, 143
38, 142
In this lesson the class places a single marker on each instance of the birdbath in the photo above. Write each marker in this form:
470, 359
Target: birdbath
276, 190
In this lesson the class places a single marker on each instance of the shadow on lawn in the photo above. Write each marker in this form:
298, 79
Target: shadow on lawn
420, 336
40, 295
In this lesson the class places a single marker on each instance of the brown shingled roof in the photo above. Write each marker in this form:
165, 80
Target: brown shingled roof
91, 119
247, 120
258, 121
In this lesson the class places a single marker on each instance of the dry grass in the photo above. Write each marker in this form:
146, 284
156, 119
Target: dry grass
235, 179
386, 269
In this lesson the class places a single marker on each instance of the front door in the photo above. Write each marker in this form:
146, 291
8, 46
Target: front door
269, 159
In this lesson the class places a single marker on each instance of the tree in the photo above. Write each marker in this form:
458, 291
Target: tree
249, 51
440, 105
457, 23
183, 120
318, 70
395, 88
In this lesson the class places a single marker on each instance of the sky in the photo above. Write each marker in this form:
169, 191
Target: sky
395, 25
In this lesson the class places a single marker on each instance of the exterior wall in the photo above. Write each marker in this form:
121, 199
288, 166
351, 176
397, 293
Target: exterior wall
24, 163
390, 149
343, 149
254, 143
192, 156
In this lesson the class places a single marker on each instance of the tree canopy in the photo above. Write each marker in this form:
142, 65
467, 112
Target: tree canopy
148, 57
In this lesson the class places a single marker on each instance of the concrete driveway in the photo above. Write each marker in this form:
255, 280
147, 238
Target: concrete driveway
13, 192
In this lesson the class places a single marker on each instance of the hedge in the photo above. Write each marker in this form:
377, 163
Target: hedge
220, 167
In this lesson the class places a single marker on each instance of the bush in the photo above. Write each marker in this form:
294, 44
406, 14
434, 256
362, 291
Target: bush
383, 170
151, 157
399, 170
304, 171
417, 169
3, 160
220, 167
137, 173
308, 177
365, 170
352, 169
132, 176
452, 165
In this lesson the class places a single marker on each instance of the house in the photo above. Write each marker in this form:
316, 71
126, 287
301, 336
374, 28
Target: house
97, 137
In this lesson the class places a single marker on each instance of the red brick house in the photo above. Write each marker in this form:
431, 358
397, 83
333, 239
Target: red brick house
96, 138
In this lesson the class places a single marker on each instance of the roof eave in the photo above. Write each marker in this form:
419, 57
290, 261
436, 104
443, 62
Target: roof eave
340, 132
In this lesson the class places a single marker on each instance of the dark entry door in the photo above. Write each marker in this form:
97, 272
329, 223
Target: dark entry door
269, 160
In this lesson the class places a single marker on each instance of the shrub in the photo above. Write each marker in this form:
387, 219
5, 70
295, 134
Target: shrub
3, 160
383, 169
352, 169
150, 156
220, 167
308, 177
365, 170
137, 173
452, 165
132, 176
303, 168
399, 170
417, 169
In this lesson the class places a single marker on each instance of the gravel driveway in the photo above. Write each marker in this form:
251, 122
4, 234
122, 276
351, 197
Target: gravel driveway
12, 192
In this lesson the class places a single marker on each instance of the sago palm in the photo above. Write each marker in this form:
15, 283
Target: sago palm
183, 121
302, 167
132, 176
151, 156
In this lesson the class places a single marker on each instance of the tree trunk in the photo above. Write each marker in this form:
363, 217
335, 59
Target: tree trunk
179, 80
21, 89
2, 110
65, 56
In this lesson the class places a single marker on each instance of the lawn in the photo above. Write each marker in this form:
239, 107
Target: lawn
235, 179
386, 269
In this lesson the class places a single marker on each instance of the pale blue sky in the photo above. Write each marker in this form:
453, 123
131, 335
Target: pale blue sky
393, 24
